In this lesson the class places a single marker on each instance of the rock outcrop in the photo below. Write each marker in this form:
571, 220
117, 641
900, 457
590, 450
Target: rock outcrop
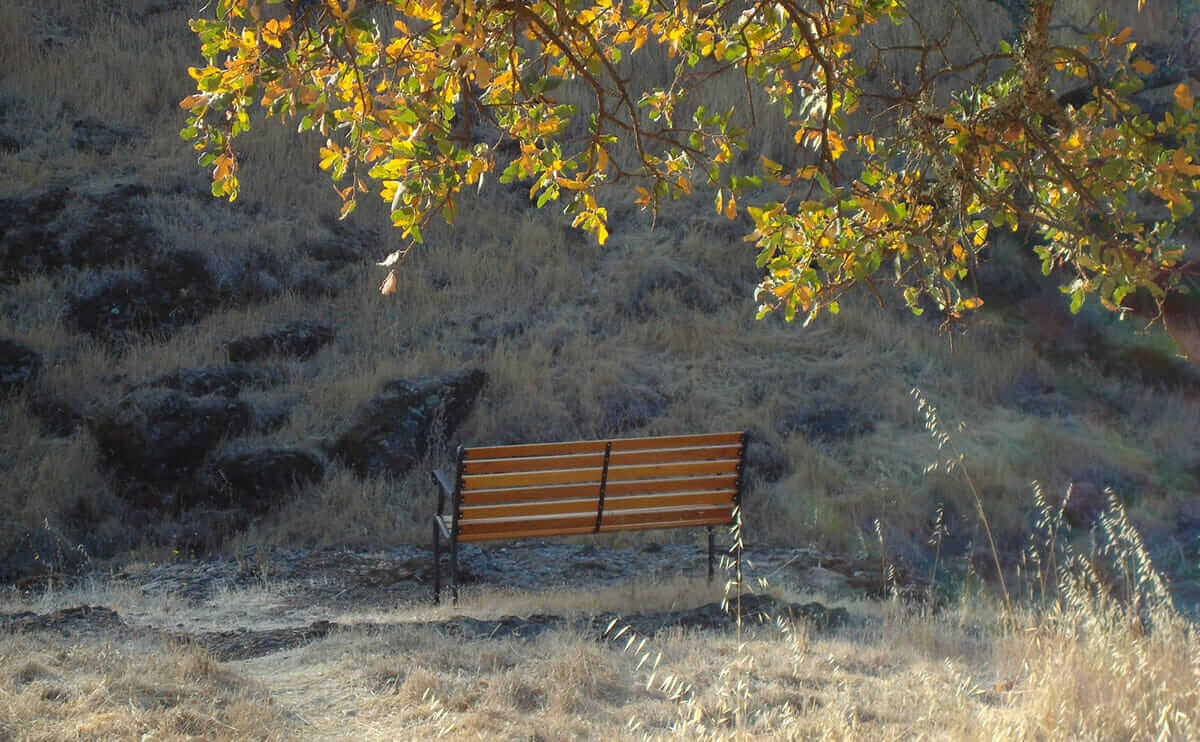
389, 434
19, 365
296, 340
161, 436
256, 480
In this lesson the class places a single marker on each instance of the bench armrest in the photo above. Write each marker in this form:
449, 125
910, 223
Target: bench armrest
441, 480
444, 488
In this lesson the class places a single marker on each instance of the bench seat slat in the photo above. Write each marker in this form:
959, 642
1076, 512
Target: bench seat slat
585, 460
499, 496
530, 478
680, 484
529, 494
677, 469
520, 532
670, 455
529, 509
551, 524
532, 449
678, 499
589, 506
623, 444
534, 463
632, 523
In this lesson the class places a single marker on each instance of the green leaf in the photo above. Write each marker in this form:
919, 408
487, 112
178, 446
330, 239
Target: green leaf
1077, 297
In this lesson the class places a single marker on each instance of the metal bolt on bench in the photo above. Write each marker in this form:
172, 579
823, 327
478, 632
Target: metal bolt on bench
536, 490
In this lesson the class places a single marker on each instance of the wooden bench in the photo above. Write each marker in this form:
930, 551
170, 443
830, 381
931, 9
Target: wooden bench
559, 489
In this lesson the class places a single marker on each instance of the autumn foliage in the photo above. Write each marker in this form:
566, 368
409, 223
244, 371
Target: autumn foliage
1030, 134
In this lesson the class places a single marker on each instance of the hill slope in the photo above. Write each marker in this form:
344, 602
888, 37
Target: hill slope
185, 374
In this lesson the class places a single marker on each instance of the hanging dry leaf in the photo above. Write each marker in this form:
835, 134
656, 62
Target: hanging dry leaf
389, 284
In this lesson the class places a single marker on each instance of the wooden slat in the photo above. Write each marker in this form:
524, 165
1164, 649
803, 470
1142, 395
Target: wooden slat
533, 463
668, 455
550, 524
530, 478
618, 521
674, 500
683, 484
532, 449
664, 525
527, 533
525, 494
529, 509
680, 469
675, 441
620, 444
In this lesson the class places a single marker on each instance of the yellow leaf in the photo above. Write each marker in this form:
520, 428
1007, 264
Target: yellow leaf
731, 207
973, 303
1143, 67
1182, 163
1183, 96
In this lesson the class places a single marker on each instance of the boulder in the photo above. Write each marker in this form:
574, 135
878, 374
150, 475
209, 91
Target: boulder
626, 408
92, 134
161, 437
64, 228
19, 365
296, 340
763, 462
256, 480
692, 291
389, 434
57, 417
827, 422
1084, 505
227, 380
173, 290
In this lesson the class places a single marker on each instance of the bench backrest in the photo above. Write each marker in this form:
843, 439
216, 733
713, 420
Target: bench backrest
555, 489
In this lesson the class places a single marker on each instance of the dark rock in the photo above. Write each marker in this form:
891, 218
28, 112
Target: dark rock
1029, 392
829, 423
67, 621
198, 530
175, 290
389, 434
62, 228
227, 380
9, 144
626, 408
763, 462
490, 329
298, 340
690, 290
58, 418
1084, 505
1187, 515
160, 436
19, 365
95, 135
256, 480
251, 277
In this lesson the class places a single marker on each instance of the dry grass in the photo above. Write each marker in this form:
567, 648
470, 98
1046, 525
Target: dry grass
143, 689
1082, 671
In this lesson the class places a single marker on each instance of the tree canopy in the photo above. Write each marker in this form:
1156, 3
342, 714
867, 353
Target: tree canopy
968, 132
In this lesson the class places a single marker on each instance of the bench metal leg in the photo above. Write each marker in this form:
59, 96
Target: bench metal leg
437, 563
454, 569
710, 553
